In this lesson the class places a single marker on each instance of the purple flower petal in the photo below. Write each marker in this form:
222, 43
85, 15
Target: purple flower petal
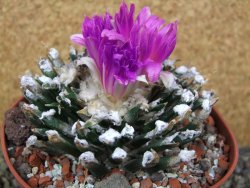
123, 48
78, 39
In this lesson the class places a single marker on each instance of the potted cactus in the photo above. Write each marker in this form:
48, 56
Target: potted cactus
120, 106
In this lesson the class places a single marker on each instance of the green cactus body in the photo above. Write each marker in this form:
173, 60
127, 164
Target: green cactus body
133, 134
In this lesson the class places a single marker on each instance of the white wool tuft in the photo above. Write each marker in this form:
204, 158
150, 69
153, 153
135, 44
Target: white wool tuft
82, 142
206, 104
30, 82
110, 136
207, 94
54, 54
168, 80
160, 126
186, 155
148, 157
48, 114
188, 134
181, 109
68, 74
31, 141
170, 139
52, 133
45, 65
45, 79
87, 157
30, 95
128, 131
73, 129
32, 106
119, 153
181, 70
199, 79
187, 96
169, 63
88, 90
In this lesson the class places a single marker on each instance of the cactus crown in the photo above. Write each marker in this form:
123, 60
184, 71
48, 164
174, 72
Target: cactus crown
73, 115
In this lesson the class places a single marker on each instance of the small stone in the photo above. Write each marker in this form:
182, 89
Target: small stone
208, 178
205, 164
146, 183
133, 180
191, 180
158, 183
34, 160
59, 184
41, 169
44, 180
33, 182
195, 185
81, 179
24, 169
157, 176
136, 185
18, 151
117, 170
164, 183
174, 183
65, 166
198, 151
185, 185
115, 180
79, 169
34, 170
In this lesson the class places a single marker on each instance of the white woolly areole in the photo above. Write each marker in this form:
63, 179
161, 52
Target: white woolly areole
88, 90
68, 74
87, 157
170, 139
110, 136
188, 134
128, 131
154, 103
187, 96
31, 141
119, 153
45, 79
148, 157
73, 129
82, 142
98, 111
45, 65
32, 106
50, 133
181, 70
181, 109
169, 63
186, 155
206, 104
168, 80
29, 81
207, 94
30, 95
160, 126
54, 54
199, 79
48, 114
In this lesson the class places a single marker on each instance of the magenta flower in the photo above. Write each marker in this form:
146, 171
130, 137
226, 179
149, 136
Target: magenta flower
123, 49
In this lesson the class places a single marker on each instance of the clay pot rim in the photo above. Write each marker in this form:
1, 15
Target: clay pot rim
234, 152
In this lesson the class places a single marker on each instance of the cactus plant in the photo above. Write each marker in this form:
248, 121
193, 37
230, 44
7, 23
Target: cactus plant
113, 106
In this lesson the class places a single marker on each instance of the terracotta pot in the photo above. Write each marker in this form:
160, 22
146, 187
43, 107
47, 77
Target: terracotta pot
219, 123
